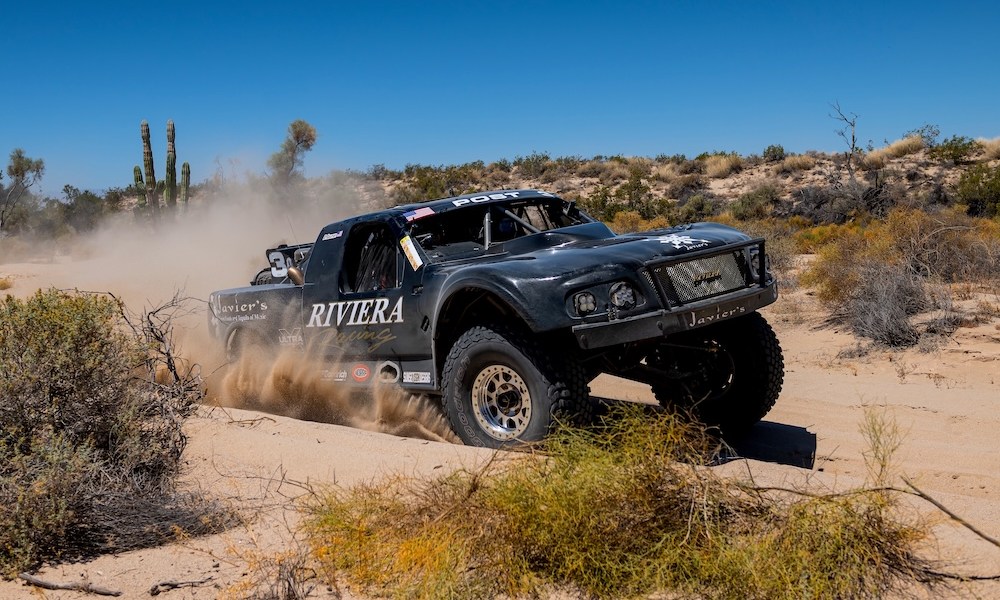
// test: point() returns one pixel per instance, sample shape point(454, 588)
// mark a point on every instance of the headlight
point(622, 295)
point(584, 303)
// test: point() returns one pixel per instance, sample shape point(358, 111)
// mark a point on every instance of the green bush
point(979, 189)
point(757, 203)
point(955, 149)
point(89, 443)
point(774, 153)
point(624, 510)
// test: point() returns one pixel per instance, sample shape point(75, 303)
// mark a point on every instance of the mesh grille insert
point(701, 278)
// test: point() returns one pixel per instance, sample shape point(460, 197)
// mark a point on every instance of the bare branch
point(82, 586)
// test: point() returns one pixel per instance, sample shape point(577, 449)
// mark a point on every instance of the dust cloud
point(218, 241)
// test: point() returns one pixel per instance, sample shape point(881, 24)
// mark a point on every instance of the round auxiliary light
point(622, 295)
point(585, 303)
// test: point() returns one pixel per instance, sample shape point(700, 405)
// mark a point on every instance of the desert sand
point(945, 401)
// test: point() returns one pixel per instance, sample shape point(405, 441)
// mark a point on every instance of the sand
point(945, 402)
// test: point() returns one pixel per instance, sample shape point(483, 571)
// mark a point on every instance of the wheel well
point(466, 308)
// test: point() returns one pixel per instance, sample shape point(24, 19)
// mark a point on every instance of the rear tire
point(727, 375)
point(501, 390)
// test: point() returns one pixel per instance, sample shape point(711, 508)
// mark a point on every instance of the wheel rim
point(502, 402)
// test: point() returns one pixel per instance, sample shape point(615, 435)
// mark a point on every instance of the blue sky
point(451, 82)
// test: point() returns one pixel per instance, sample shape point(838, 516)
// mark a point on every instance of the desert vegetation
point(91, 430)
point(626, 509)
point(900, 243)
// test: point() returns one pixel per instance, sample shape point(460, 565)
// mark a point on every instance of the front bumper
point(661, 323)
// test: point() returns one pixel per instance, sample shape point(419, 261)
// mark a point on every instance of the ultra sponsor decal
point(332, 236)
point(683, 242)
point(697, 318)
point(411, 253)
point(416, 377)
point(290, 337)
point(361, 373)
point(356, 312)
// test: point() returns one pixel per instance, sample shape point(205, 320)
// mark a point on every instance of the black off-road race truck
point(507, 304)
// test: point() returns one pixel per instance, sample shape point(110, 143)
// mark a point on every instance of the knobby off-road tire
point(502, 390)
point(733, 372)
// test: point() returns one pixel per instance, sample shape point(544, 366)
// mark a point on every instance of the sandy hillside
point(945, 401)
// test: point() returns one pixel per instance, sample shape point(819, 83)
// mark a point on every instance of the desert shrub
point(533, 165)
point(979, 189)
point(627, 221)
point(6, 283)
point(624, 510)
point(927, 133)
point(795, 163)
point(695, 208)
point(810, 240)
point(722, 165)
point(635, 195)
point(879, 309)
point(685, 186)
point(601, 204)
point(665, 172)
point(89, 443)
point(756, 203)
point(874, 277)
point(955, 149)
point(774, 153)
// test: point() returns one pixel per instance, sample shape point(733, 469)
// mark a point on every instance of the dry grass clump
point(6, 283)
point(625, 510)
point(722, 165)
point(795, 163)
point(876, 159)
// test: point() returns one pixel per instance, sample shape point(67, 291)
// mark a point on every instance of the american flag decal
point(419, 213)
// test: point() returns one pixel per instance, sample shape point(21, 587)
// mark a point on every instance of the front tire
point(727, 375)
point(500, 390)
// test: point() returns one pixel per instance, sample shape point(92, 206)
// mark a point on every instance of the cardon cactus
point(167, 186)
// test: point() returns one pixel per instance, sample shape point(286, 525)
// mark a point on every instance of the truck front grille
point(700, 278)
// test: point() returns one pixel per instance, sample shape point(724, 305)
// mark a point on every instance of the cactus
point(168, 186)
point(140, 186)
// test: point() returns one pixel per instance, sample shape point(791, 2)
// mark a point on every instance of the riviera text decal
point(356, 312)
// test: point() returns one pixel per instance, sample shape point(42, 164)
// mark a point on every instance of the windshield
point(475, 229)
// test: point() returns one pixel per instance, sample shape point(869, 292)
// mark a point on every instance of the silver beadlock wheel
point(502, 401)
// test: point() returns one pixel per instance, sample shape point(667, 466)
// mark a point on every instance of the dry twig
point(82, 586)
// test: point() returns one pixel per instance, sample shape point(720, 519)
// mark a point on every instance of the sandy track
point(945, 402)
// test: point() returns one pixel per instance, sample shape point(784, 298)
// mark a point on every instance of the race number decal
point(279, 267)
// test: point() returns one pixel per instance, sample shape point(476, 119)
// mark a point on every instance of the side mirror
point(295, 274)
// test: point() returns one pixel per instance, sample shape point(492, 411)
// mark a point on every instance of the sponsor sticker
point(416, 377)
point(332, 236)
point(388, 372)
point(290, 337)
point(361, 373)
point(411, 253)
point(711, 315)
point(683, 242)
